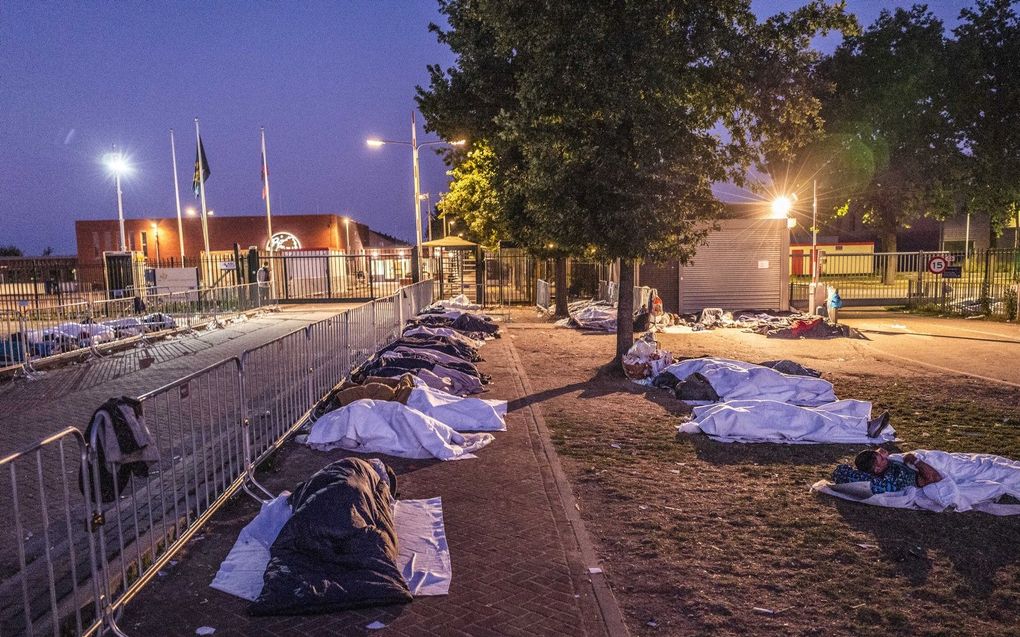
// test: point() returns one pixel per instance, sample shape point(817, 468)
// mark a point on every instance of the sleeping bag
point(339, 548)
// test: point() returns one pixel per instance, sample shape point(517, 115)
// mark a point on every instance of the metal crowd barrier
point(76, 560)
point(29, 336)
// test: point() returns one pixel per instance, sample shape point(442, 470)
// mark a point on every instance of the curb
point(609, 608)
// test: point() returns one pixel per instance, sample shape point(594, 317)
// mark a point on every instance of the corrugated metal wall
point(745, 265)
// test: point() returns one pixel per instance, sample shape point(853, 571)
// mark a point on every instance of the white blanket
point(460, 414)
point(372, 426)
point(970, 482)
point(459, 302)
point(423, 559)
point(737, 380)
point(841, 422)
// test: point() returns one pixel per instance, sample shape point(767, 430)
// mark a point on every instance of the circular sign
point(937, 265)
point(283, 241)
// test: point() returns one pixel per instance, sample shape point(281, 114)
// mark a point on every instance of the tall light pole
point(347, 235)
point(814, 233)
point(415, 147)
point(428, 212)
point(118, 165)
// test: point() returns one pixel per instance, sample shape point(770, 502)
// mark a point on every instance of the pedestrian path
point(519, 561)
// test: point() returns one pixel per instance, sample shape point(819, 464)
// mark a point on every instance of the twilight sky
point(77, 78)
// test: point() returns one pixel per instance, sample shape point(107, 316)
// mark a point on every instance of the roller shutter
point(743, 266)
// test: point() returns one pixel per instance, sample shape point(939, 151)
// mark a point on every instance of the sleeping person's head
point(873, 462)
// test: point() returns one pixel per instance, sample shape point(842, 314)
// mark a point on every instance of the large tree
point(891, 146)
point(609, 121)
point(985, 103)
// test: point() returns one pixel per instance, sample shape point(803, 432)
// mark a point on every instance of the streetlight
point(191, 212)
point(428, 211)
point(117, 164)
point(782, 205)
point(347, 235)
point(415, 147)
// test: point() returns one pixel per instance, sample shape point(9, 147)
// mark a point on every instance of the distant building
point(158, 238)
point(745, 264)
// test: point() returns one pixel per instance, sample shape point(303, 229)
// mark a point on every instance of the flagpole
point(201, 188)
point(177, 195)
point(265, 177)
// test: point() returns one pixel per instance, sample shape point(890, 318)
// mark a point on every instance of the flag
point(264, 172)
point(202, 177)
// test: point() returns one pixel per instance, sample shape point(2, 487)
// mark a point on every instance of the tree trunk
point(889, 245)
point(625, 312)
point(561, 286)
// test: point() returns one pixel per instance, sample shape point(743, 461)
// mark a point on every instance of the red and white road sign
point(937, 264)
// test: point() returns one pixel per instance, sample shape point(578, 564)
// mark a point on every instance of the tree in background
point(10, 251)
point(604, 119)
point(985, 104)
point(890, 142)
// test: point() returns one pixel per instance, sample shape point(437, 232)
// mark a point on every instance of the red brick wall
point(314, 232)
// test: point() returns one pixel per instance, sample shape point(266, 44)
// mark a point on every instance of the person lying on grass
point(884, 474)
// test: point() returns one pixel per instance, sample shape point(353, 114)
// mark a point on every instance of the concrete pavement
point(983, 349)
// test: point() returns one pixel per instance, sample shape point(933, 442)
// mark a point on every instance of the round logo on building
point(283, 241)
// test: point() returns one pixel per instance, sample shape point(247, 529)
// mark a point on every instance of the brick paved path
point(518, 559)
point(67, 396)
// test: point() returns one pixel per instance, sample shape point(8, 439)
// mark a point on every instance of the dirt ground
point(701, 537)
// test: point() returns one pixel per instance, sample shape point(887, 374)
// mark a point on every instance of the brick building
point(157, 238)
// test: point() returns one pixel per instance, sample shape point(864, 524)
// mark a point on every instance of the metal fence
point(33, 334)
point(978, 282)
point(71, 561)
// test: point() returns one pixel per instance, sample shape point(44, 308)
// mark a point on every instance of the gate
point(986, 283)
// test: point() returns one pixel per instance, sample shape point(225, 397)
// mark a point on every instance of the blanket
point(460, 414)
point(370, 426)
point(738, 380)
point(841, 422)
point(970, 482)
point(423, 557)
point(338, 550)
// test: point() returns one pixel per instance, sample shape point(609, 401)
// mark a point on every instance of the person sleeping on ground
point(711, 379)
point(459, 413)
point(930, 480)
point(885, 475)
point(844, 421)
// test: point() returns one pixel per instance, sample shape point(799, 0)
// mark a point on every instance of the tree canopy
point(609, 121)
point(985, 89)
point(889, 134)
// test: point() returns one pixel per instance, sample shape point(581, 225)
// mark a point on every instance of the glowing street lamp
point(117, 164)
point(415, 147)
point(781, 206)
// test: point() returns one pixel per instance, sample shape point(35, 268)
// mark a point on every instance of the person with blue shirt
point(886, 475)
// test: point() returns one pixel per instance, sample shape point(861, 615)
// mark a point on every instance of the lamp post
point(428, 212)
point(118, 165)
point(415, 147)
point(814, 234)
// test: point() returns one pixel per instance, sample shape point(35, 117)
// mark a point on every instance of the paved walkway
point(67, 396)
point(520, 561)
point(984, 349)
